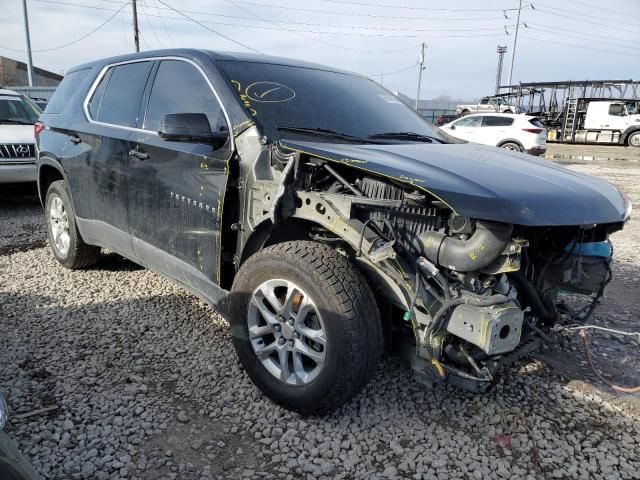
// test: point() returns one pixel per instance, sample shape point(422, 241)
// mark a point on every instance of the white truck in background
point(494, 104)
point(598, 121)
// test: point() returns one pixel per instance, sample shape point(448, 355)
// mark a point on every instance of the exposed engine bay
point(463, 297)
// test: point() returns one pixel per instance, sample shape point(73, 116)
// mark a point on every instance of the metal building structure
point(550, 99)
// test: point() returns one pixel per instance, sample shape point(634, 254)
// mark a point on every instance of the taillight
point(533, 130)
point(37, 128)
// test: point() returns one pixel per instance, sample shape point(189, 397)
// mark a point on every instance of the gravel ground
point(146, 385)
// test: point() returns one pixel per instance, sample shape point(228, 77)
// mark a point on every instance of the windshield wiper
point(324, 132)
point(407, 136)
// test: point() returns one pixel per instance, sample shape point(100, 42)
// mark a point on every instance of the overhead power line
point(77, 40)
point(394, 72)
point(210, 29)
point(360, 14)
point(582, 47)
point(600, 24)
point(428, 9)
point(586, 15)
point(581, 37)
point(599, 8)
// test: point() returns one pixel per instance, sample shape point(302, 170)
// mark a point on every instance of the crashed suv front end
point(468, 288)
point(466, 247)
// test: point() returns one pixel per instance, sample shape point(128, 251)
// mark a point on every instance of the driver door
point(176, 189)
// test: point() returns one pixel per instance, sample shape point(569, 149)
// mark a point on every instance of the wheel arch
point(627, 133)
point(49, 171)
point(510, 140)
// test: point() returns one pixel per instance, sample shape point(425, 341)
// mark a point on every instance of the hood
point(16, 134)
point(483, 182)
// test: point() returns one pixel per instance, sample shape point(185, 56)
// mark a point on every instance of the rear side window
point(536, 123)
point(116, 99)
point(497, 121)
point(67, 88)
point(179, 87)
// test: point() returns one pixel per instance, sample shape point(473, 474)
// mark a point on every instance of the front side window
point(497, 121)
point(469, 122)
point(286, 96)
point(617, 109)
point(17, 111)
point(117, 97)
point(179, 87)
point(484, 101)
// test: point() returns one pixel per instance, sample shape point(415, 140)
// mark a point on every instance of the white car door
point(465, 128)
point(495, 129)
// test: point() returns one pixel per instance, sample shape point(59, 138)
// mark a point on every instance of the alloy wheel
point(59, 224)
point(287, 332)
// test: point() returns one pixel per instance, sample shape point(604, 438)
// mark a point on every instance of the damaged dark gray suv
point(321, 215)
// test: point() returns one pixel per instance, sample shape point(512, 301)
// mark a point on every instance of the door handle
point(75, 139)
point(138, 154)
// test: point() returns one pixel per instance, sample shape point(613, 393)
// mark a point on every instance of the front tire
point(305, 325)
point(64, 238)
point(633, 140)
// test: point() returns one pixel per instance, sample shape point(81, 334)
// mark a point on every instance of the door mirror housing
point(452, 127)
point(190, 127)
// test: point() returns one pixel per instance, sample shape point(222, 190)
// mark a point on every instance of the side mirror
point(190, 127)
point(452, 127)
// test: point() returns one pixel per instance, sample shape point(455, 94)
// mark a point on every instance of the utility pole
point(515, 40)
point(420, 68)
point(28, 40)
point(136, 32)
point(501, 51)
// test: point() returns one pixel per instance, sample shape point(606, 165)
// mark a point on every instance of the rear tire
point(344, 339)
point(633, 140)
point(514, 147)
point(464, 113)
point(64, 238)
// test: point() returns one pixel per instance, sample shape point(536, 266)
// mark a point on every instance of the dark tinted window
point(484, 101)
point(121, 99)
point(497, 121)
point(285, 95)
point(67, 88)
point(179, 87)
point(616, 109)
point(536, 123)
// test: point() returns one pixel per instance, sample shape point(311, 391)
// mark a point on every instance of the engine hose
point(485, 245)
point(545, 310)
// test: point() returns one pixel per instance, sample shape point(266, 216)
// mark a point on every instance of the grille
point(17, 151)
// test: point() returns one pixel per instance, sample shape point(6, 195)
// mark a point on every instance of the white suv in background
point(519, 132)
point(18, 115)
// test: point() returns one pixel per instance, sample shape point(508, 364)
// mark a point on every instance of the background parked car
point(17, 141)
point(444, 119)
point(521, 133)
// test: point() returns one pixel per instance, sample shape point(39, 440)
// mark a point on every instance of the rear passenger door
point(176, 192)
point(98, 153)
point(496, 128)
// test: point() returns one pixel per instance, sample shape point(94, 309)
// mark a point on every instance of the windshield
point(15, 110)
point(282, 98)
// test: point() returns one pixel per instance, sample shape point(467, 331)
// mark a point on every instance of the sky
point(558, 39)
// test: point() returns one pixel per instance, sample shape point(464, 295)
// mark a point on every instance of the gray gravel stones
point(148, 387)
